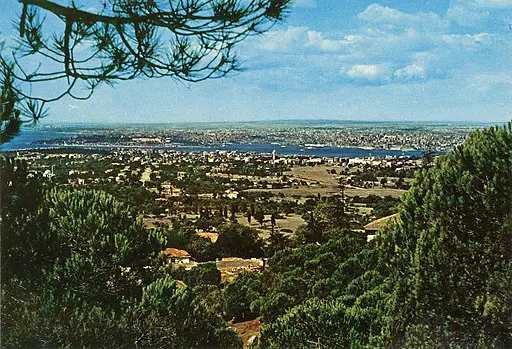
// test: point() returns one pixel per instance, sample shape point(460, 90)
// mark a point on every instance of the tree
point(342, 184)
point(327, 216)
point(249, 217)
point(12, 112)
point(295, 275)
point(10, 119)
point(452, 246)
point(259, 216)
point(252, 209)
point(439, 277)
point(167, 315)
point(21, 201)
point(385, 206)
point(277, 241)
point(85, 282)
point(239, 294)
point(190, 40)
point(236, 240)
point(199, 248)
point(428, 156)
point(399, 183)
point(299, 328)
point(203, 274)
point(87, 236)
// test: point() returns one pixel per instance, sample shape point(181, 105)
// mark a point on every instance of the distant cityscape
point(390, 136)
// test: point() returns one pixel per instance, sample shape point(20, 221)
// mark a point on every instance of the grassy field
point(364, 192)
point(318, 174)
point(310, 191)
point(291, 222)
point(321, 181)
point(326, 184)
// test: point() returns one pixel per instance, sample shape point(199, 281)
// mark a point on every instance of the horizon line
point(270, 121)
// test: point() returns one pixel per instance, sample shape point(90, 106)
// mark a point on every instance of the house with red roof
point(176, 256)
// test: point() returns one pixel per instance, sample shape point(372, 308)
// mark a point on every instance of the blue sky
point(337, 59)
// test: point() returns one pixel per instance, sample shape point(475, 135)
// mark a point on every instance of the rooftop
point(174, 252)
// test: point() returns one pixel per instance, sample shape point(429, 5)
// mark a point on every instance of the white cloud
point(466, 17)
point(483, 83)
point(378, 14)
point(391, 46)
point(481, 4)
point(370, 56)
point(299, 39)
point(474, 12)
point(492, 79)
point(376, 54)
point(411, 72)
point(468, 40)
point(316, 40)
point(373, 72)
point(283, 40)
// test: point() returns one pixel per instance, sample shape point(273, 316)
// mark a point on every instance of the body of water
point(35, 139)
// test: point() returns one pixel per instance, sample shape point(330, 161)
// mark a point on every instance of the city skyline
point(370, 61)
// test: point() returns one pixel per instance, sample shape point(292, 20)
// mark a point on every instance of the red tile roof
point(174, 252)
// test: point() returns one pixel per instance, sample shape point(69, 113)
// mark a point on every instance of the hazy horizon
point(106, 122)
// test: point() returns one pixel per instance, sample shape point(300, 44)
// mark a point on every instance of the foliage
point(326, 217)
point(385, 206)
point(10, 120)
point(77, 271)
point(452, 246)
point(236, 240)
point(21, 202)
point(202, 274)
point(314, 324)
point(439, 277)
point(295, 275)
point(238, 296)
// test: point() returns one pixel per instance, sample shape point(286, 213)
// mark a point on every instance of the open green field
point(291, 222)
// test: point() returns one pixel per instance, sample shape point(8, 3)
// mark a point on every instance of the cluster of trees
point(257, 168)
point(439, 277)
point(325, 217)
point(143, 198)
point(372, 176)
point(234, 240)
point(79, 269)
point(382, 206)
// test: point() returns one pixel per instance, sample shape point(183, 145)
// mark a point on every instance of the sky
point(335, 59)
